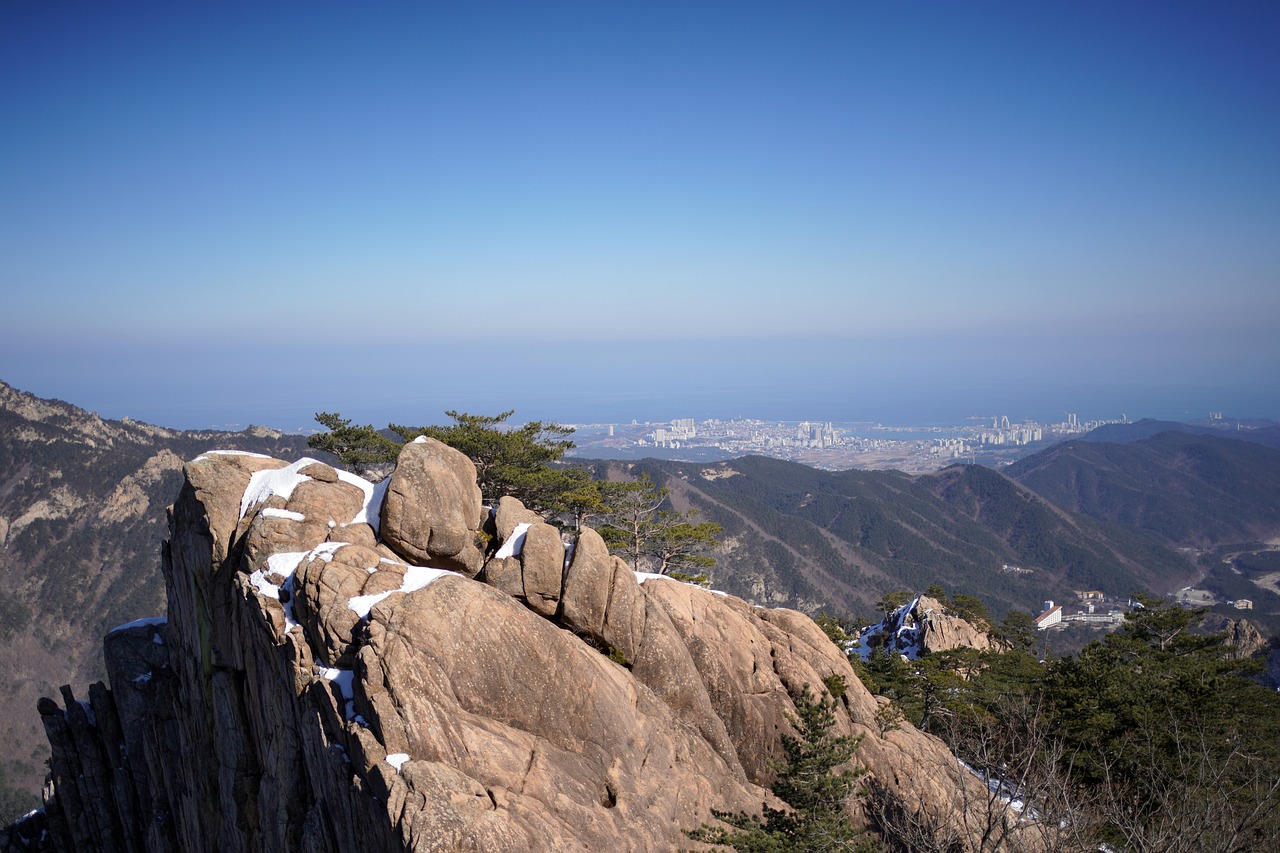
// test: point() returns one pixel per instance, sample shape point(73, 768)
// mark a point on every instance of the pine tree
point(808, 780)
point(641, 528)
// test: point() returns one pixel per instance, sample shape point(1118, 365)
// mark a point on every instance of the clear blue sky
point(234, 212)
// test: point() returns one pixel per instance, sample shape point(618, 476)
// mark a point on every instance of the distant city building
point(1052, 615)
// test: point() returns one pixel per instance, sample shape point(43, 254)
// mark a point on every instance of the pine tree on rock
point(808, 780)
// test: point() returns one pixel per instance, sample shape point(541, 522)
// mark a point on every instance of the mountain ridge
point(81, 519)
point(1190, 489)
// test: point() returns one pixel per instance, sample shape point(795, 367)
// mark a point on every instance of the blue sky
point(234, 212)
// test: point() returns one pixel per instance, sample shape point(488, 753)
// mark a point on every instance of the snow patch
point(344, 679)
point(370, 513)
point(209, 453)
point(272, 512)
point(641, 577)
point(156, 621)
point(285, 564)
point(142, 679)
point(415, 578)
point(397, 759)
point(900, 633)
point(515, 542)
point(325, 551)
point(272, 482)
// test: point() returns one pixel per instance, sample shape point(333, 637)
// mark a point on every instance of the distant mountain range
point(1267, 434)
point(81, 520)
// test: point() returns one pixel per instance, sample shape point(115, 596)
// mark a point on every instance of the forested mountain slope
point(840, 540)
point(1191, 490)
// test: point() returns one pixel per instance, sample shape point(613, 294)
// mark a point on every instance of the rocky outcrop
point(1245, 640)
point(923, 626)
point(351, 667)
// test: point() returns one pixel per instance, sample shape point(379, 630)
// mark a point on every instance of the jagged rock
point(1242, 636)
point(311, 693)
point(432, 508)
point(923, 626)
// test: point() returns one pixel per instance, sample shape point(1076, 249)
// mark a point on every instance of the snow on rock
point(272, 512)
point(273, 481)
point(899, 633)
point(285, 564)
point(344, 679)
point(371, 511)
point(416, 577)
point(209, 453)
point(156, 621)
point(397, 759)
point(515, 542)
point(325, 551)
point(921, 627)
point(641, 577)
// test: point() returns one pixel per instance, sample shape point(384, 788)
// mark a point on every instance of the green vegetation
point(1151, 739)
point(810, 780)
point(14, 801)
point(847, 538)
point(638, 525)
point(519, 461)
point(1191, 490)
point(634, 517)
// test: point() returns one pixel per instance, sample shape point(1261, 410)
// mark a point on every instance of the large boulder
point(432, 510)
point(529, 564)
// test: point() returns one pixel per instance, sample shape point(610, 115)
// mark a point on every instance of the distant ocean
point(292, 409)
point(200, 386)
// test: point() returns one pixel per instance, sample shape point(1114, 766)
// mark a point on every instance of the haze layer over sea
point(901, 381)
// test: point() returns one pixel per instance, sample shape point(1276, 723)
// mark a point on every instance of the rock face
point(342, 668)
point(923, 626)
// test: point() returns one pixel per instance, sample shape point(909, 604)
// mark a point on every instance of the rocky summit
point(396, 667)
